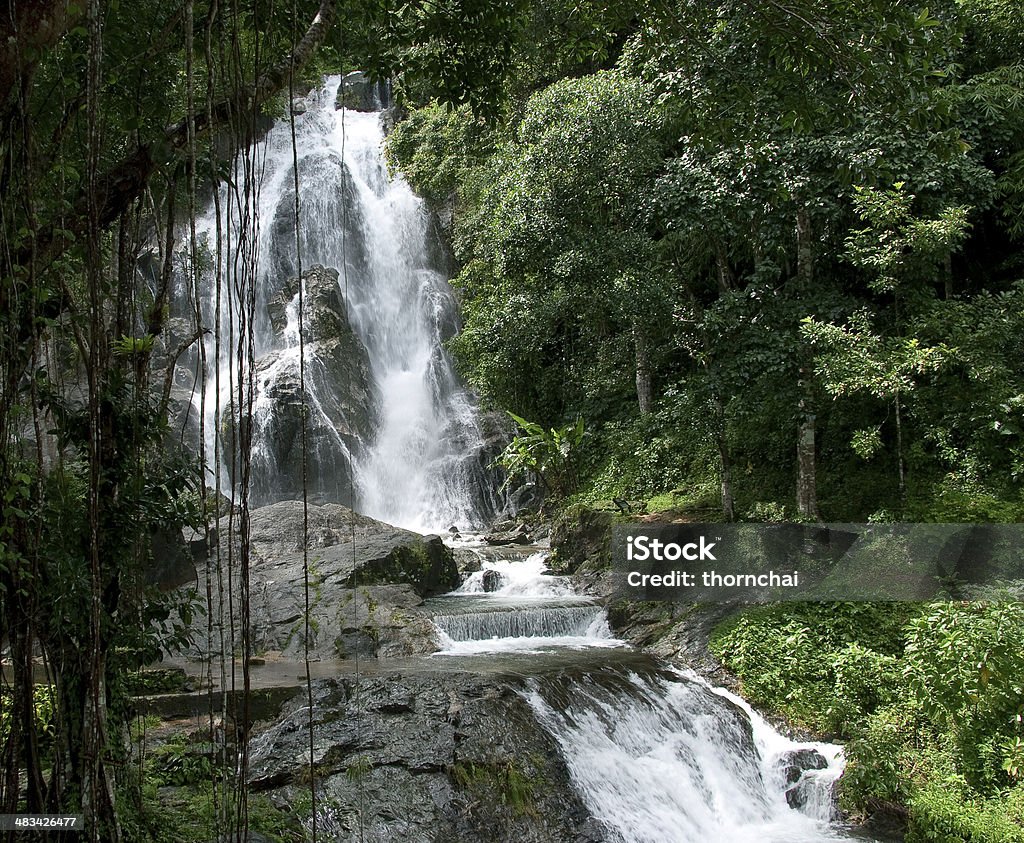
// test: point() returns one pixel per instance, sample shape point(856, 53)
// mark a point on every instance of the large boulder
point(423, 756)
point(358, 92)
point(367, 581)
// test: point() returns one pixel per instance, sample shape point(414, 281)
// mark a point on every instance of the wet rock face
point(519, 534)
point(423, 757)
point(342, 417)
point(581, 539)
point(794, 764)
point(493, 581)
point(358, 93)
point(367, 581)
point(802, 789)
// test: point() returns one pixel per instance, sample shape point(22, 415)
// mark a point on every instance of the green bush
point(930, 697)
point(940, 814)
point(823, 665)
point(887, 745)
point(965, 668)
point(180, 762)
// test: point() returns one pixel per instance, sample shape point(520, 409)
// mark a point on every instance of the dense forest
point(770, 256)
point(743, 260)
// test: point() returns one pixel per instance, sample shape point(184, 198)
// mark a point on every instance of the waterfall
point(657, 755)
point(521, 622)
point(660, 757)
point(390, 429)
point(513, 606)
point(516, 577)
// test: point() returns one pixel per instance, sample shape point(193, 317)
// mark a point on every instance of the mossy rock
point(581, 538)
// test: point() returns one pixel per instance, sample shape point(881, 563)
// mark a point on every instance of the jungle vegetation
point(770, 255)
point(764, 255)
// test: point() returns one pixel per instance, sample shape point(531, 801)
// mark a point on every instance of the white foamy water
point(668, 760)
point(657, 756)
point(527, 610)
point(414, 459)
point(519, 578)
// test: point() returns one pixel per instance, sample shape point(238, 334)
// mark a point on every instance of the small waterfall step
point(517, 621)
point(514, 605)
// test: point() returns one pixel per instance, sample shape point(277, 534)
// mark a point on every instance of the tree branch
point(28, 28)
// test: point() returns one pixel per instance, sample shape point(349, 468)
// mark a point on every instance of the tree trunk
point(644, 391)
point(806, 481)
point(900, 464)
point(807, 471)
point(28, 28)
point(804, 247)
point(725, 460)
point(724, 272)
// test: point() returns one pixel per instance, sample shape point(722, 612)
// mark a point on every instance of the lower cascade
point(657, 755)
point(663, 757)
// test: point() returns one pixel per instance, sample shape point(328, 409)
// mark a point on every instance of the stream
point(657, 754)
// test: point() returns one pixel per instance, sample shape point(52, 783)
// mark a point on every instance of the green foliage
point(44, 714)
point(557, 266)
point(435, 147)
point(884, 756)
point(548, 453)
point(156, 681)
point(824, 665)
point(965, 668)
point(930, 698)
point(181, 762)
point(852, 358)
point(939, 812)
point(194, 814)
point(898, 247)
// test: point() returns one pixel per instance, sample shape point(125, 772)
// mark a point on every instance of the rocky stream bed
point(510, 710)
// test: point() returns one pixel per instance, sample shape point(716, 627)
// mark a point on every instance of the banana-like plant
point(547, 453)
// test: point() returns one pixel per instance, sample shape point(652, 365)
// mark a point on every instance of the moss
point(409, 563)
point(505, 781)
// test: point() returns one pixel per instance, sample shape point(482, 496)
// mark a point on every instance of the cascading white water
point(387, 417)
point(665, 759)
point(657, 756)
point(517, 578)
point(525, 610)
point(555, 622)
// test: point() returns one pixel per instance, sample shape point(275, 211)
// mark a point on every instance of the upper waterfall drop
point(391, 430)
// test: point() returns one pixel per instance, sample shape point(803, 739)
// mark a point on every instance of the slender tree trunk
point(806, 481)
point(644, 390)
point(804, 247)
point(721, 441)
point(725, 280)
point(901, 467)
point(806, 445)
point(725, 460)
